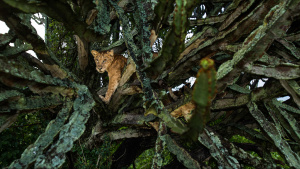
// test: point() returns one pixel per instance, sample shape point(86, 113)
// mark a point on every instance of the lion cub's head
point(103, 60)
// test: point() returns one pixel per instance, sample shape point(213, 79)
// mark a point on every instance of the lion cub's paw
point(104, 99)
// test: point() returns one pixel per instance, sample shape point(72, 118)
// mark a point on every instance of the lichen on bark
point(181, 154)
point(291, 157)
point(149, 96)
point(102, 24)
point(221, 154)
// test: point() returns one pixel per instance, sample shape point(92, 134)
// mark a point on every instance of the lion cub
point(113, 64)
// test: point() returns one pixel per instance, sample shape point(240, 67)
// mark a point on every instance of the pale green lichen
point(240, 89)
point(70, 132)
point(35, 102)
point(176, 125)
point(285, 106)
point(19, 70)
point(270, 60)
point(182, 155)
point(9, 93)
point(125, 133)
point(292, 126)
point(13, 51)
point(132, 119)
point(224, 69)
point(217, 150)
point(102, 21)
point(291, 157)
point(276, 118)
point(291, 47)
point(115, 44)
point(134, 51)
point(159, 147)
point(32, 152)
point(251, 41)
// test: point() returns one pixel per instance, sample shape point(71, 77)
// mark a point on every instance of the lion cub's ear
point(94, 53)
point(110, 53)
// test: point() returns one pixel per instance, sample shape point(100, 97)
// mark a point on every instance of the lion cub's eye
point(103, 61)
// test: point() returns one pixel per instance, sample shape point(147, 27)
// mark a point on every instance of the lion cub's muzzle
point(100, 70)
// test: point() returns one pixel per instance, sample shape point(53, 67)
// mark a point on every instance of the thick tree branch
point(283, 71)
point(7, 38)
point(12, 51)
point(25, 33)
point(292, 158)
point(129, 133)
point(34, 62)
point(61, 12)
point(152, 103)
point(261, 39)
point(159, 146)
point(217, 150)
point(209, 21)
point(182, 155)
point(131, 119)
point(233, 33)
point(293, 37)
point(32, 103)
